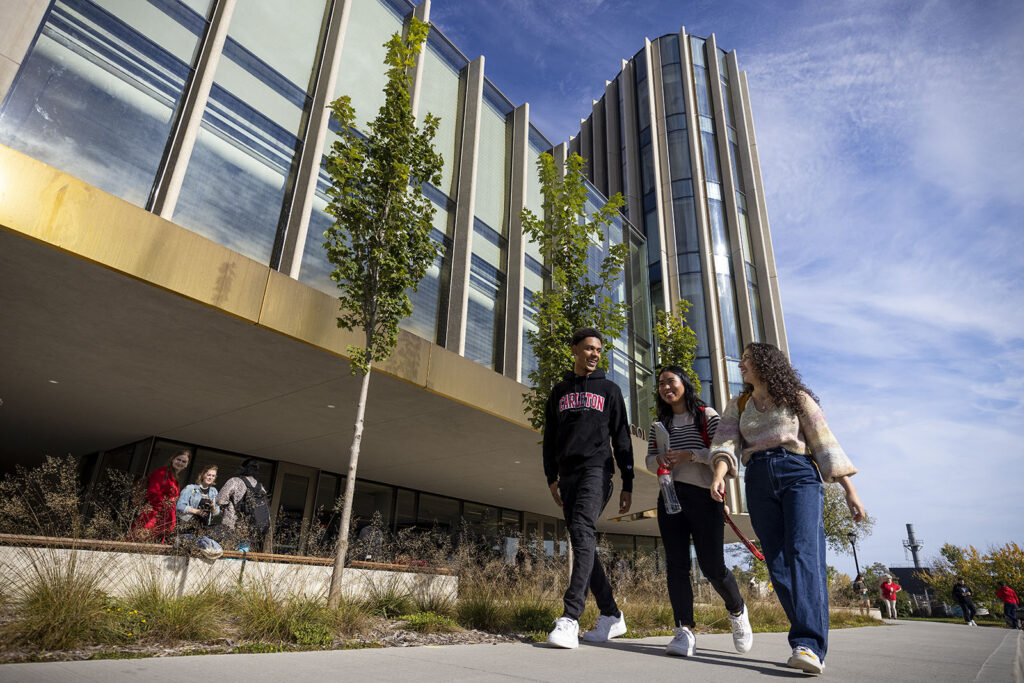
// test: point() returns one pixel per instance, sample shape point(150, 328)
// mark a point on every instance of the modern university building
point(162, 281)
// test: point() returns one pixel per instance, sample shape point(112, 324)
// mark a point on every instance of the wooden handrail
point(161, 549)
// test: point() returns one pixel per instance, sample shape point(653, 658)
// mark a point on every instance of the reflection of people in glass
point(776, 426)
point(585, 417)
point(691, 426)
point(157, 518)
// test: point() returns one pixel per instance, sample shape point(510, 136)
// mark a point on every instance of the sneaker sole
point(562, 646)
point(678, 653)
point(806, 665)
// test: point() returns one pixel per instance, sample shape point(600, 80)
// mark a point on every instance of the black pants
point(968, 608)
point(584, 495)
point(704, 520)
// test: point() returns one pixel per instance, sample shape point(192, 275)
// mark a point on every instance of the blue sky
point(893, 160)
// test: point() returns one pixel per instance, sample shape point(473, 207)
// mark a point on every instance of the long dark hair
point(691, 399)
point(779, 377)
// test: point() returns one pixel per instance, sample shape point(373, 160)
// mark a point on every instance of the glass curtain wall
point(741, 200)
point(99, 90)
point(721, 253)
point(485, 323)
point(648, 195)
point(361, 76)
point(536, 276)
point(235, 186)
point(691, 287)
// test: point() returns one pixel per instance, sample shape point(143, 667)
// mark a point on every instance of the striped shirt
point(685, 435)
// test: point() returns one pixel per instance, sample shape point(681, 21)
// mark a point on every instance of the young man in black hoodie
point(585, 419)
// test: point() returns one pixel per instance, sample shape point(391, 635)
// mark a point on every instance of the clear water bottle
point(668, 491)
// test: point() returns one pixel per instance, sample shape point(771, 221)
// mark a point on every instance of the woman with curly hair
point(776, 428)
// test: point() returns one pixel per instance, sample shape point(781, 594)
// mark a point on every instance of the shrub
point(58, 603)
point(429, 622)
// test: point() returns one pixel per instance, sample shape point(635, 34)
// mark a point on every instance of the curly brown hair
point(779, 377)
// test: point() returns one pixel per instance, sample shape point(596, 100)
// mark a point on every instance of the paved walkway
point(903, 651)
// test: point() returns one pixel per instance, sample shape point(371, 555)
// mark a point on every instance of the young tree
point(577, 296)
point(380, 242)
point(677, 342)
point(838, 523)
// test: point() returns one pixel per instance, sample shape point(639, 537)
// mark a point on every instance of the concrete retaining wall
point(118, 574)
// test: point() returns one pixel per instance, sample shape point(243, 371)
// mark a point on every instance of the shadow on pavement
point(707, 656)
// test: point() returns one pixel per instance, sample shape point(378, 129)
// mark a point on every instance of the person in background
point(691, 426)
point(889, 590)
point(860, 590)
point(197, 503)
point(237, 523)
point(157, 520)
point(778, 430)
point(962, 594)
point(1009, 598)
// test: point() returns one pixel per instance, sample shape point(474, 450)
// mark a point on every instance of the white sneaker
point(565, 634)
point(683, 644)
point(971, 623)
point(742, 634)
point(606, 628)
point(805, 660)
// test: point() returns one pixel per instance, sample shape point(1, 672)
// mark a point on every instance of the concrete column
point(316, 134)
point(598, 151)
point(516, 243)
point(586, 148)
point(422, 12)
point(560, 154)
point(760, 232)
point(21, 22)
point(612, 142)
point(659, 195)
point(197, 91)
point(462, 247)
point(739, 271)
point(700, 202)
point(629, 128)
point(663, 181)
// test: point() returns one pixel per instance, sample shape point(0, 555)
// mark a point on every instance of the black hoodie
point(582, 414)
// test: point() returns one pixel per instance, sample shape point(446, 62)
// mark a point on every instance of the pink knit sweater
point(779, 426)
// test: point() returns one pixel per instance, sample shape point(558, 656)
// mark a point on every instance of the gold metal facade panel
point(57, 209)
point(463, 380)
point(309, 315)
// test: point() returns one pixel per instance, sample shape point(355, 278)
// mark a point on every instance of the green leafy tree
point(677, 342)
point(380, 242)
point(577, 297)
point(838, 523)
point(981, 572)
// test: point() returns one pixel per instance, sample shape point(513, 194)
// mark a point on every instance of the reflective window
point(672, 78)
point(441, 95)
point(485, 323)
point(97, 94)
point(362, 74)
point(370, 499)
point(234, 188)
point(439, 512)
point(493, 171)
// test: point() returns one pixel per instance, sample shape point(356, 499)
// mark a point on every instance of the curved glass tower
point(673, 133)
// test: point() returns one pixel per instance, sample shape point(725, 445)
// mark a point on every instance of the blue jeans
point(785, 498)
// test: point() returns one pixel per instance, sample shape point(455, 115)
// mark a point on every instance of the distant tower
point(913, 545)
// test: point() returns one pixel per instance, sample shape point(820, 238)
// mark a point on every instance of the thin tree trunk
point(334, 593)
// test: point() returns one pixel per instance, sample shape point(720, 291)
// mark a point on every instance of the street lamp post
point(853, 544)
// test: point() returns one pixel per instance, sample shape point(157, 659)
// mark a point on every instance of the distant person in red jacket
point(1009, 598)
point(889, 590)
point(156, 521)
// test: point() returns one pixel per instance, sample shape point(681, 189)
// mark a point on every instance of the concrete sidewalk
point(901, 651)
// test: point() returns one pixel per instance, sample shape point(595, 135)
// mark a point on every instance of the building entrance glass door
point(291, 507)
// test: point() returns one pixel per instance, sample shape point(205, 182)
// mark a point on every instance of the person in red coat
point(1009, 598)
point(156, 521)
